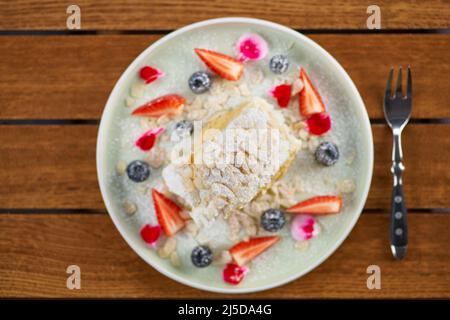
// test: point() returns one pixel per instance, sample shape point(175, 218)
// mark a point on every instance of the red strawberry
point(168, 213)
point(223, 65)
point(321, 205)
point(310, 101)
point(169, 104)
point(246, 251)
point(283, 94)
point(234, 274)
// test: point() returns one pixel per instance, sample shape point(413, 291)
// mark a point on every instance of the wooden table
point(54, 84)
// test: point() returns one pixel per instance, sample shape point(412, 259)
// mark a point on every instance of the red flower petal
point(319, 123)
point(149, 74)
point(148, 139)
point(234, 274)
point(150, 234)
point(283, 94)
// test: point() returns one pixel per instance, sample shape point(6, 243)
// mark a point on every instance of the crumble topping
point(239, 154)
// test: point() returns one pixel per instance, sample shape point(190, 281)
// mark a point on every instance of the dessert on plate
point(216, 158)
point(239, 154)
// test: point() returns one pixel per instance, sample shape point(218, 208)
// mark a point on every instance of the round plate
point(351, 131)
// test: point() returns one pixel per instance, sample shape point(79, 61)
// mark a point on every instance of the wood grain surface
point(35, 266)
point(163, 15)
point(65, 77)
point(54, 167)
point(51, 211)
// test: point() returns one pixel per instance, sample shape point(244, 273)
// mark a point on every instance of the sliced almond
point(137, 90)
point(304, 135)
point(222, 258)
point(297, 86)
point(175, 259)
point(301, 245)
point(346, 186)
point(192, 228)
point(167, 248)
point(129, 102)
point(121, 167)
point(201, 238)
point(257, 76)
point(129, 207)
point(156, 157)
point(244, 90)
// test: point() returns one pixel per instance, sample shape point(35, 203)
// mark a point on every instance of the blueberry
point(200, 82)
point(273, 220)
point(327, 153)
point(279, 64)
point(201, 256)
point(138, 171)
point(184, 128)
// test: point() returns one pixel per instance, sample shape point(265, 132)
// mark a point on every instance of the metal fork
point(397, 111)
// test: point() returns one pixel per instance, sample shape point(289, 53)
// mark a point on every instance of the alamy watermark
point(231, 146)
point(374, 280)
point(74, 280)
point(73, 21)
point(374, 20)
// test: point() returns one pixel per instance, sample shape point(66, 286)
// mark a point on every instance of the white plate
point(351, 130)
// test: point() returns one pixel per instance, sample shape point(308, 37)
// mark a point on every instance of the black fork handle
point(399, 214)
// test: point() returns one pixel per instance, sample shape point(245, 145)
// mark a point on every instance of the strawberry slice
point(167, 213)
point(283, 94)
point(321, 205)
point(169, 104)
point(246, 251)
point(223, 65)
point(310, 101)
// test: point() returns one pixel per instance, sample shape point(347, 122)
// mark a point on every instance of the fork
point(397, 111)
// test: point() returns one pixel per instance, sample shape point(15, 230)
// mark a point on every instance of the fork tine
point(387, 93)
point(409, 84)
point(398, 90)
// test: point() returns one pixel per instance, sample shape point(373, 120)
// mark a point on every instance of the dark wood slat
point(54, 167)
point(153, 14)
point(37, 249)
point(70, 77)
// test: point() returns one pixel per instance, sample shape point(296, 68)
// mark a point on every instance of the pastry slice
point(237, 155)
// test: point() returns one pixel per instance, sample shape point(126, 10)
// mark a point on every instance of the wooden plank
point(49, 166)
point(61, 77)
point(54, 167)
point(36, 250)
point(141, 14)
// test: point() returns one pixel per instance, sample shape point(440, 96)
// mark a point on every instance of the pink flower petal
point(148, 139)
point(304, 227)
point(252, 47)
point(150, 234)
